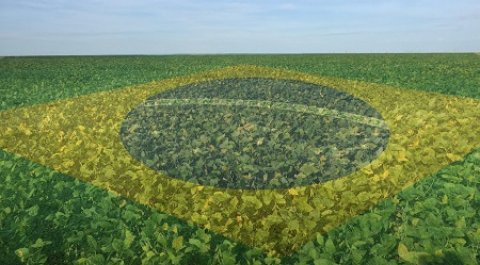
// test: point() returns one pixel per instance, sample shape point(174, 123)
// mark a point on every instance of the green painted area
point(436, 221)
point(46, 217)
point(49, 218)
point(29, 80)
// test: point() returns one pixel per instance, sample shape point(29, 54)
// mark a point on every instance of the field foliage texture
point(52, 212)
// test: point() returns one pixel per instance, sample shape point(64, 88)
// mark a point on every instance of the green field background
point(46, 217)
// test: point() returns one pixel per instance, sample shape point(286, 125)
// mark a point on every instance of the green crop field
point(240, 159)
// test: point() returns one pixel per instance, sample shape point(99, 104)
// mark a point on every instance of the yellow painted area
point(80, 137)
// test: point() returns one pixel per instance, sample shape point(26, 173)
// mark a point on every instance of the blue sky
point(41, 27)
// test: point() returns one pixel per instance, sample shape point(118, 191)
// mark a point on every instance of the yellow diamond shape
point(80, 137)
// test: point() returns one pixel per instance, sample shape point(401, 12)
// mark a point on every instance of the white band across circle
point(371, 121)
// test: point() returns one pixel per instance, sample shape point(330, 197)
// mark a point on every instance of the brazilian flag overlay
point(272, 159)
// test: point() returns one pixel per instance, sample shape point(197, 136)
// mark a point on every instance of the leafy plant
point(50, 218)
point(254, 133)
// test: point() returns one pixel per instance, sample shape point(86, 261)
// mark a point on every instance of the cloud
point(234, 25)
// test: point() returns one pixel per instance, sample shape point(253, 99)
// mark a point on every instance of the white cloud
point(161, 26)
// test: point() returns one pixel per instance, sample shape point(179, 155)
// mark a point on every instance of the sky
point(61, 27)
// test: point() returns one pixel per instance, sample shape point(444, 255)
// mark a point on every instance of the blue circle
point(254, 133)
